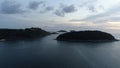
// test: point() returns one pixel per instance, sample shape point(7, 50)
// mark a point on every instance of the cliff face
point(85, 36)
point(17, 34)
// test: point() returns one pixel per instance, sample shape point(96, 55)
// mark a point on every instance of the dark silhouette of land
point(22, 34)
point(86, 36)
point(32, 33)
point(62, 31)
point(54, 33)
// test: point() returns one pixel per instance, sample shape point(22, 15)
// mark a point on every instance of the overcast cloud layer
point(8, 7)
point(13, 7)
point(52, 12)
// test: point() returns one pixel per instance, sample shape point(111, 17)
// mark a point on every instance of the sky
point(61, 14)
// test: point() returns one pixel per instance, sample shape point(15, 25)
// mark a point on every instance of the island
point(86, 36)
point(62, 31)
point(22, 34)
point(54, 33)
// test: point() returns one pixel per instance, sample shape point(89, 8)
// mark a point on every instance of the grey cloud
point(92, 8)
point(35, 4)
point(43, 6)
point(61, 11)
point(8, 7)
point(69, 9)
point(49, 8)
point(46, 9)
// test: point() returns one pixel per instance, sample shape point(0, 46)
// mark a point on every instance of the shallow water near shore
point(49, 53)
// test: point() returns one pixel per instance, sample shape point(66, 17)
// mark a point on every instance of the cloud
point(65, 9)
point(91, 5)
point(49, 8)
point(92, 8)
point(86, 3)
point(99, 18)
point(112, 15)
point(59, 13)
point(35, 5)
point(8, 7)
point(46, 9)
point(69, 9)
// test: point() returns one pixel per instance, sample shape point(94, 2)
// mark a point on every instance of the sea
point(47, 52)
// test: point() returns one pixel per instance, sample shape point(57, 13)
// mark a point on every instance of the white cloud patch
point(112, 15)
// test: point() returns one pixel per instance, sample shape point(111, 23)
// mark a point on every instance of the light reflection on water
point(49, 53)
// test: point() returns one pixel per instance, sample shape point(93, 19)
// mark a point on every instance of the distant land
point(62, 31)
point(86, 36)
point(22, 34)
point(33, 33)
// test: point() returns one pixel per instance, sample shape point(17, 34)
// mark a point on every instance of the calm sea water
point(49, 53)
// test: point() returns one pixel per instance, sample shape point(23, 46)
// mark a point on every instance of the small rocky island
point(22, 34)
point(62, 31)
point(86, 36)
